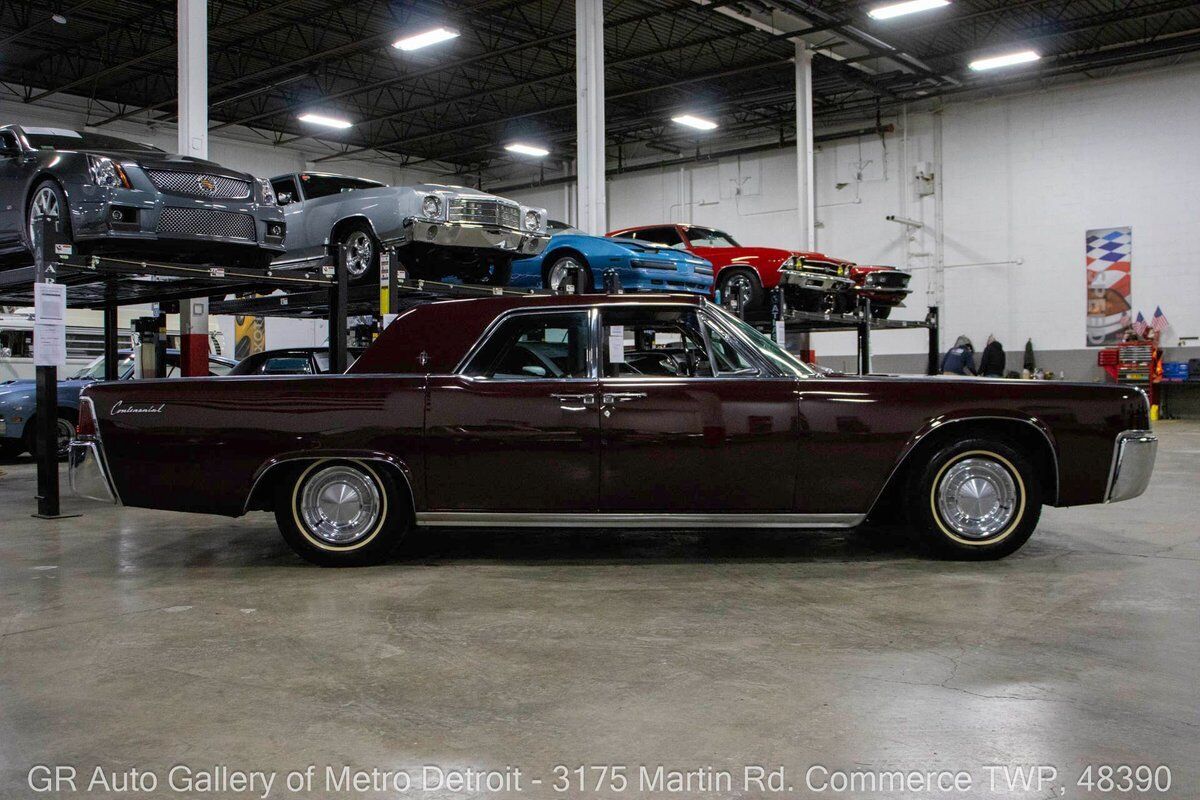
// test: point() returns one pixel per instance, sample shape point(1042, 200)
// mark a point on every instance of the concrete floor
point(136, 639)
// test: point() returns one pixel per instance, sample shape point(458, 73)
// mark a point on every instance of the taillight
point(87, 418)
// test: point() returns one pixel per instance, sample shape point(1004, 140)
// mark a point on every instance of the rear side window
point(287, 365)
point(549, 346)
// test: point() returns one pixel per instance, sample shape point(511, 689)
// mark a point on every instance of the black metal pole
point(110, 331)
point(337, 315)
point(934, 350)
point(46, 401)
point(864, 338)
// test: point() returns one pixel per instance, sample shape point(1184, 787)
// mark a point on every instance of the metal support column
point(589, 116)
point(192, 37)
point(864, 338)
point(934, 366)
point(806, 194)
point(45, 238)
point(111, 308)
point(337, 314)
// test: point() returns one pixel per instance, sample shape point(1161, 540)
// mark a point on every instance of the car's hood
point(464, 192)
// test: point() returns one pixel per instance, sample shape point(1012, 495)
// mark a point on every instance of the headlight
point(106, 172)
point(431, 206)
point(533, 220)
point(268, 191)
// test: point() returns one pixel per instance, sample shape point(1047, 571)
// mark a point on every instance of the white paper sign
point(50, 325)
point(780, 333)
point(616, 344)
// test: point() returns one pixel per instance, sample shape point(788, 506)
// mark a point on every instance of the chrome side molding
point(567, 519)
point(1132, 465)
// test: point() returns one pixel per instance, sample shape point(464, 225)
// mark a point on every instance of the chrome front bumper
point(813, 281)
point(88, 476)
point(463, 234)
point(1132, 464)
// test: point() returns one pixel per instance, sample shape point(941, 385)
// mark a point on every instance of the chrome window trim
point(635, 520)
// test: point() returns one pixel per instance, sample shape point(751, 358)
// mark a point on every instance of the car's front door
point(517, 429)
point(12, 185)
point(690, 422)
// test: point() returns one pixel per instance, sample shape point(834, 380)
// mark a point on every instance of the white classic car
point(442, 232)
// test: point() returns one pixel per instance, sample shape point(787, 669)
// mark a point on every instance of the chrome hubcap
point(563, 276)
point(977, 497)
point(45, 205)
point(359, 250)
point(340, 505)
point(737, 293)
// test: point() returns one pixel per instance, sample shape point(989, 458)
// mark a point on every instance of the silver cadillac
point(449, 233)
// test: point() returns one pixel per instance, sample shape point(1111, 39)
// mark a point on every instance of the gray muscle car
point(443, 232)
point(123, 198)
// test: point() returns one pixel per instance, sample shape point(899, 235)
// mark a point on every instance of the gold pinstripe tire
point(975, 500)
point(340, 512)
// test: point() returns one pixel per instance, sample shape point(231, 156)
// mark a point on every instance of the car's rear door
point(517, 429)
point(690, 423)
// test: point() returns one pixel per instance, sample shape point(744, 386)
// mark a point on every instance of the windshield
point(554, 226)
point(710, 237)
point(95, 370)
point(325, 185)
point(785, 361)
point(64, 139)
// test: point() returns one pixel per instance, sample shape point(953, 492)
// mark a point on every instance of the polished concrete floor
point(136, 639)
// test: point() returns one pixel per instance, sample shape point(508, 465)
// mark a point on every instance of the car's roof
point(435, 336)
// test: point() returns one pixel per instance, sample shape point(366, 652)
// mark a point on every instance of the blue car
point(574, 261)
point(17, 401)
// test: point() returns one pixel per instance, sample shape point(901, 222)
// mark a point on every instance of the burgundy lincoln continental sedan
point(604, 411)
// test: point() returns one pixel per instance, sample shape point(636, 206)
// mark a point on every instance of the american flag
point(1140, 326)
point(1159, 320)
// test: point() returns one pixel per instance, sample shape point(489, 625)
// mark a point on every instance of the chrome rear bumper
point(1132, 465)
point(87, 473)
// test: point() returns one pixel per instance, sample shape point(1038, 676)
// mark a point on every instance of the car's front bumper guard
point(465, 234)
point(87, 473)
point(814, 281)
point(1132, 465)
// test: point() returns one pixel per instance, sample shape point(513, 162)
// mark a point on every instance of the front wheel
point(64, 432)
point(341, 513)
point(975, 500)
point(47, 202)
point(568, 275)
point(741, 291)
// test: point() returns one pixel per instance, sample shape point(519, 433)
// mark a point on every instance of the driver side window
point(654, 343)
point(8, 144)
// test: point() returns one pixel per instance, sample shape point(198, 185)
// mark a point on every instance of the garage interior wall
point(1025, 176)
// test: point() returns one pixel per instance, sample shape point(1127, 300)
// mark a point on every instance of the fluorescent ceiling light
point(419, 40)
point(527, 149)
point(909, 7)
point(328, 122)
point(1008, 60)
point(699, 123)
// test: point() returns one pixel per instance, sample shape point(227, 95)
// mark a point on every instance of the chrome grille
point(485, 212)
point(888, 279)
point(207, 222)
point(195, 184)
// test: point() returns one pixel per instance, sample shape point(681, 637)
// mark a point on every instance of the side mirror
point(284, 198)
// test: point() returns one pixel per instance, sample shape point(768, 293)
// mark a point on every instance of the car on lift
point(573, 261)
point(601, 411)
point(746, 274)
point(447, 233)
point(885, 287)
point(18, 400)
point(125, 199)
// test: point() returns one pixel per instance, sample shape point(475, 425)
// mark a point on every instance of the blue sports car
point(17, 400)
point(574, 261)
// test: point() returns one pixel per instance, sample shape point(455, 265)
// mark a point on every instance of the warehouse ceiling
point(510, 74)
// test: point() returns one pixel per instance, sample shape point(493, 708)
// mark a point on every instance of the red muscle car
point(885, 287)
point(745, 274)
point(607, 411)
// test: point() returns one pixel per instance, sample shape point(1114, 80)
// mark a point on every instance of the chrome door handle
point(623, 397)
point(585, 399)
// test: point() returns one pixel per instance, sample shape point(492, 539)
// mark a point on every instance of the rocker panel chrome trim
point(487, 519)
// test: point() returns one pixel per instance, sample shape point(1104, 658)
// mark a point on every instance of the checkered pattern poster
point(1109, 306)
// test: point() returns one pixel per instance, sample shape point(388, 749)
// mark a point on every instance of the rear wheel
point(362, 253)
point(341, 513)
point(974, 500)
